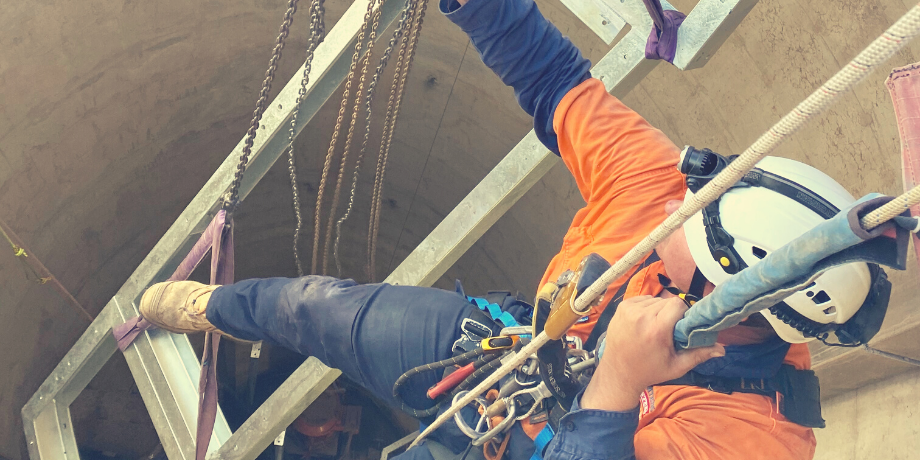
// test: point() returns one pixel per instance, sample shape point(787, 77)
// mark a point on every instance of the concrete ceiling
point(114, 113)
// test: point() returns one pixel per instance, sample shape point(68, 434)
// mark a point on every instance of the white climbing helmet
point(788, 198)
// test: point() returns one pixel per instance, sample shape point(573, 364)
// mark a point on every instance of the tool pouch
point(801, 396)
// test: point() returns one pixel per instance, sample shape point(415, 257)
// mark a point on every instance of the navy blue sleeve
point(587, 434)
point(526, 51)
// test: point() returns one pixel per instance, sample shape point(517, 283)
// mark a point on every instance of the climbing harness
point(800, 401)
point(475, 364)
point(893, 39)
point(527, 392)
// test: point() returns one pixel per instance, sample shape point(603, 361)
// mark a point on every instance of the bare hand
point(640, 352)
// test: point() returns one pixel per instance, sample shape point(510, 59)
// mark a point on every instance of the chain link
point(407, 52)
point(317, 35)
point(401, 29)
point(348, 141)
point(332, 143)
point(232, 200)
point(412, 17)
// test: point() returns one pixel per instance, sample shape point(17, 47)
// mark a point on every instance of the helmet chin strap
point(697, 284)
point(694, 294)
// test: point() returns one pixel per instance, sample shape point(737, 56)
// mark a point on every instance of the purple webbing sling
point(662, 42)
point(218, 240)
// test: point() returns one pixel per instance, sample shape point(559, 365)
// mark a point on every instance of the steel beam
point(273, 417)
point(46, 416)
point(165, 365)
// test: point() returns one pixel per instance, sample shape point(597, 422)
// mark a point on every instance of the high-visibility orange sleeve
point(625, 170)
point(696, 423)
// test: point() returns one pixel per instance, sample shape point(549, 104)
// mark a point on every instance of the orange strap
point(492, 452)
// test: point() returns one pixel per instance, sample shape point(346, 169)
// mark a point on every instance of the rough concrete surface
point(113, 113)
point(877, 421)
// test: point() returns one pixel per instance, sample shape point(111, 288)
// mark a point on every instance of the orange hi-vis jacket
point(626, 170)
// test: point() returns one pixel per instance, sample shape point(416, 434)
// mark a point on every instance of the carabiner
point(479, 438)
point(473, 433)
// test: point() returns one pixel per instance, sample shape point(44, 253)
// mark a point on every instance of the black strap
point(697, 285)
point(694, 294)
point(604, 319)
point(801, 402)
point(725, 385)
point(792, 190)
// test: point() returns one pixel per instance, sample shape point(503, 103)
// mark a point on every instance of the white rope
point(876, 53)
point(893, 208)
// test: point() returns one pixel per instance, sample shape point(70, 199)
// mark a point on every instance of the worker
point(639, 402)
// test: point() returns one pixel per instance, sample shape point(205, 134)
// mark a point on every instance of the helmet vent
point(820, 298)
point(759, 253)
point(830, 311)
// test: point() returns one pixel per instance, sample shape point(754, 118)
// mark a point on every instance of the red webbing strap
point(217, 239)
point(904, 86)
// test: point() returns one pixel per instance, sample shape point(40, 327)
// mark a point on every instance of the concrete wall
point(878, 421)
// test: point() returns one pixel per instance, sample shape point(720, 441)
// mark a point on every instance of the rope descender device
point(563, 312)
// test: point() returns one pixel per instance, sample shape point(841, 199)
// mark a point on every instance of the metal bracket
point(388, 450)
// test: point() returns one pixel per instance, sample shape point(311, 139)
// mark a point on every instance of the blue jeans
point(373, 333)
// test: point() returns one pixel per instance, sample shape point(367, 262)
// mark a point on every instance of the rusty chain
point(406, 19)
point(348, 140)
point(232, 198)
point(407, 51)
point(408, 31)
point(332, 143)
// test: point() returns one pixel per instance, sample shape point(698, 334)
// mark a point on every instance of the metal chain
point(405, 19)
point(335, 134)
point(317, 35)
point(348, 141)
point(370, 268)
point(391, 104)
point(231, 202)
point(407, 50)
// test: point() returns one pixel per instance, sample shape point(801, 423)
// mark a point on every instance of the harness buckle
point(755, 384)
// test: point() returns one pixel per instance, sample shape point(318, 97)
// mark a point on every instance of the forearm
point(526, 51)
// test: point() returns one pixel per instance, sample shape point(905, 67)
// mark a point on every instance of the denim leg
point(373, 333)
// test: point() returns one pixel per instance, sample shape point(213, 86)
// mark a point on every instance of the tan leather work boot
point(178, 306)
